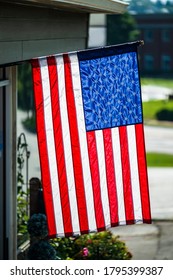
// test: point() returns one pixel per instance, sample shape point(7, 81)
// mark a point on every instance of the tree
point(25, 93)
point(121, 29)
point(25, 96)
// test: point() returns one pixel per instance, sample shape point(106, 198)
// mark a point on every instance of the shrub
point(165, 115)
point(29, 124)
point(100, 246)
point(96, 246)
point(64, 247)
point(41, 250)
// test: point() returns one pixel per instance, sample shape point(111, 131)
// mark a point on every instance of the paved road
point(161, 192)
point(159, 139)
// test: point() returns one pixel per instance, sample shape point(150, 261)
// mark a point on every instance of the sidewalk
point(155, 241)
point(148, 242)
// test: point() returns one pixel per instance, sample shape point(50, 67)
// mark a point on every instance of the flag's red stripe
point(75, 146)
point(142, 169)
point(128, 200)
point(110, 175)
point(41, 133)
point(59, 147)
point(95, 177)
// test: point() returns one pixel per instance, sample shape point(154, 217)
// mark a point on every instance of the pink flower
point(85, 252)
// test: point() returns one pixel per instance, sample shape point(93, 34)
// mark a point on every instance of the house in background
point(156, 30)
point(32, 28)
point(155, 24)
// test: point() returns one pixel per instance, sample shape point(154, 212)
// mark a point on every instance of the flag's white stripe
point(67, 144)
point(83, 141)
point(103, 180)
point(51, 145)
point(134, 172)
point(118, 175)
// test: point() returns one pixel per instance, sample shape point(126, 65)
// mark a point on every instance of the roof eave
point(94, 6)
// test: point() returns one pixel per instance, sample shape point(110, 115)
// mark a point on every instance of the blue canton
point(111, 91)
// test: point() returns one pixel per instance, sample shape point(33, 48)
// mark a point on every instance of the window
point(166, 62)
point(166, 36)
point(148, 62)
point(148, 35)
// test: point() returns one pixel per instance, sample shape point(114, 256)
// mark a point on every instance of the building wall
point(156, 55)
point(97, 30)
point(8, 162)
point(27, 32)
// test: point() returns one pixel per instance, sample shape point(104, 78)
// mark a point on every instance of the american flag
point(91, 139)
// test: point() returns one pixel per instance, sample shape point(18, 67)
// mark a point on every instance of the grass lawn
point(150, 108)
point(157, 82)
point(159, 160)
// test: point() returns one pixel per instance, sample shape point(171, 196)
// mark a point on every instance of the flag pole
point(141, 42)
